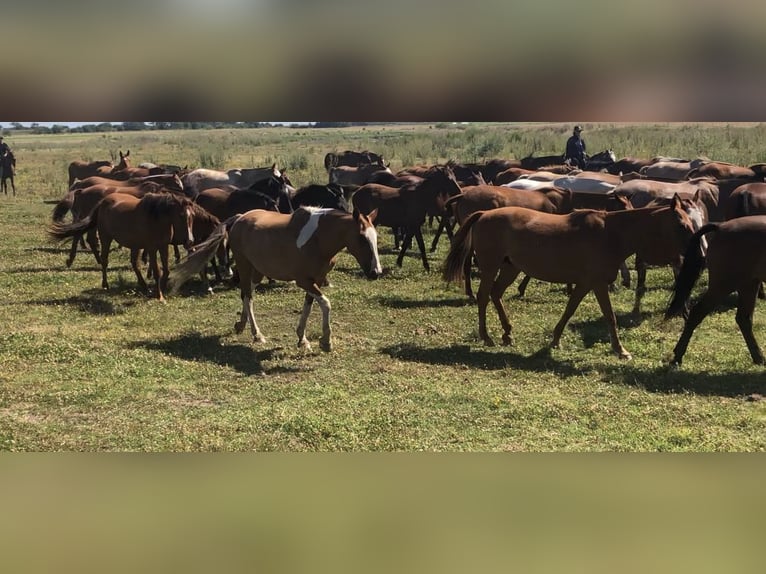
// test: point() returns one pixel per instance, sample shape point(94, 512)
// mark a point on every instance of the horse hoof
point(239, 327)
point(625, 356)
point(304, 344)
point(326, 346)
point(489, 343)
point(507, 341)
point(69, 263)
point(259, 339)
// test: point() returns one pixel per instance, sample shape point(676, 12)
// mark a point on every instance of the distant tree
point(133, 126)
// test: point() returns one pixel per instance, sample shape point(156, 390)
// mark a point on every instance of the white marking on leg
point(254, 330)
point(372, 237)
point(311, 225)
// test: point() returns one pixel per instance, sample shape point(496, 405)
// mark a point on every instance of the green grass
point(83, 369)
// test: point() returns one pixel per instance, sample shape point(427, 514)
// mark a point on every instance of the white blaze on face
point(695, 214)
point(372, 237)
point(311, 225)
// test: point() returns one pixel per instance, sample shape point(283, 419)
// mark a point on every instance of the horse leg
point(162, 283)
point(697, 313)
point(640, 284)
point(508, 274)
point(467, 278)
point(482, 300)
point(406, 242)
point(73, 250)
point(625, 273)
point(325, 342)
point(134, 253)
point(422, 247)
point(106, 242)
point(745, 307)
point(92, 238)
point(246, 276)
point(580, 290)
point(442, 227)
point(302, 340)
point(523, 286)
point(176, 253)
point(602, 295)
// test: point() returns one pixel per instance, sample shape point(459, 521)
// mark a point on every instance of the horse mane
point(157, 205)
point(203, 214)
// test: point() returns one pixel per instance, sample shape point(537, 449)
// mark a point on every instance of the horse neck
point(628, 230)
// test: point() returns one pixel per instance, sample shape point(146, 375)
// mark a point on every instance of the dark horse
point(585, 247)
point(8, 170)
point(736, 261)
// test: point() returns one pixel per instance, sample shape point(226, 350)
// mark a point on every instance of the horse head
point(364, 245)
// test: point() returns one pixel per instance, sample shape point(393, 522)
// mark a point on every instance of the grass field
point(84, 369)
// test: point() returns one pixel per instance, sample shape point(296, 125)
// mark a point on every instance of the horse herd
point(536, 216)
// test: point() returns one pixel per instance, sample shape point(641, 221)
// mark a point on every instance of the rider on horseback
point(575, 153)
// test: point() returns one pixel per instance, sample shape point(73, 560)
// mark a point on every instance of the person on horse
point(575, 153)
point(4, 151)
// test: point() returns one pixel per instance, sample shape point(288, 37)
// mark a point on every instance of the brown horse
point(8, 171)
point(485, 197)
point(171, 181)
point(149, 223)
point(736, 261)
point(82, 169)
point(81, 203)
point(407, 207)
point(585, 247)
point(301, 246)
point(656, 252)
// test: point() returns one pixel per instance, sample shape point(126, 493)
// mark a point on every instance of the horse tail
point(462, 246)
point(451, 204)
point(58, 231)
point(195, 262)
point(694, 262)
point(63, 207)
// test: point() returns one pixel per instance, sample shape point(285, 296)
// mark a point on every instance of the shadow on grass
point(91, 304)
point(594, 330)
point(541, 361)
point(671, 380)
point(209, 348)
point(400, 303)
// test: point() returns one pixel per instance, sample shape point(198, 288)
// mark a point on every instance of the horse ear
point(696, 196)
point(676, 203)
point(121, 155)
point(373, 214)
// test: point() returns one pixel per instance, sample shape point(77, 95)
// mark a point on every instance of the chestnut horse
point(736, 261)
point(301, 246)
point(484, 197)
point(585, 247)
point(82, 169)
point(150, 223)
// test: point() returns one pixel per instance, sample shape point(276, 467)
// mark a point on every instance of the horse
point(82, 201)
point(270, 194)
point(8, 171)
point(736, 261)
point(585, 247)
point(198, 180)
point(123, 170)
point(301, 246)
point(170, 181)
point(407, 207)
point(149, 223)
point(82, 169)
point(317, 195)
point(352, 159)
point(660, 253)
point(485, 197)
point(601, 160)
